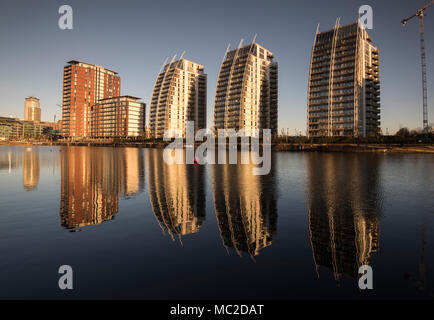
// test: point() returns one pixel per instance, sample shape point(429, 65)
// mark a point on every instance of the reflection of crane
point(421, 13)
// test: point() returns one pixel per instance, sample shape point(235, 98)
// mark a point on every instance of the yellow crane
point(420, 13)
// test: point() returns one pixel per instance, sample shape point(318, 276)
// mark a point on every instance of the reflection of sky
point(133, 38)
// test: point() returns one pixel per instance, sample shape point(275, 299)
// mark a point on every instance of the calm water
point(133, 227)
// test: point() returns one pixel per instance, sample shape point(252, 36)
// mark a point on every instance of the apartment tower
point(83, 85)
point(32, 109)
point(246, 93)
point(344, 84)
point(179, 96)
point(122, 116)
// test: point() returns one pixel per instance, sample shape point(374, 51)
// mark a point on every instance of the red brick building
point(83, 85)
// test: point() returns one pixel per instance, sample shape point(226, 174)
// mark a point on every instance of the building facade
point(122, 116)
point(16, 129)
point(83, 85)
point(179, 96)
point(32, 109)
point(344, 84)
point(246, 92)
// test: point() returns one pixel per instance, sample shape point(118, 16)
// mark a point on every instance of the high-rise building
point(83, 85)
point(246, 93)
point(32, 109)
point(344, 84)
point(122, 116)
point(179, 96)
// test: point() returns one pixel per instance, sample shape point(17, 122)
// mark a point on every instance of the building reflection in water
point(344, 204)
point(92, 179)
point(30, 162)
point(9, 161)
point(177, 194)
point(28, 159)
point(245, 207)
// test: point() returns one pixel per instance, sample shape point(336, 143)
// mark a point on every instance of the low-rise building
point(122, 116)
point(13, 128)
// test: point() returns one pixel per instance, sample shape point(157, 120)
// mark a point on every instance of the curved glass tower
point(246, 92)
point(179, 96)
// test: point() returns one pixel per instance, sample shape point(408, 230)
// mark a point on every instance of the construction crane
point(420, 13)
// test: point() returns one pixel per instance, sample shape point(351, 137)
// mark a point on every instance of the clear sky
point(134, 38)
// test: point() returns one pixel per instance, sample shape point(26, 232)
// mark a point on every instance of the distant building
point(32, 109)
point(6, 127)
point(118, 117)
point(344, 84)
point(58, 126)
point(13, 129)
point(83, 85)
point(246, 93)
point(179, 95)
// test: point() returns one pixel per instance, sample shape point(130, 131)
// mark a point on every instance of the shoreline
point(290, 147)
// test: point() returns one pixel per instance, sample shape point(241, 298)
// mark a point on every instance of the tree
point(404, 132)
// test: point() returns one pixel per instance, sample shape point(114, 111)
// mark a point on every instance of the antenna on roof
point(226, 52)
point(183, 52)
point(254, 38)
point(240, 44)
point(164, 63)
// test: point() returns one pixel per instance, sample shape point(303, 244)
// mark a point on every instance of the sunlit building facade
point(83, 85)
point(344, 84)
point(246, 93)
point(122, 116)
point(32, 109)
point(179, 96)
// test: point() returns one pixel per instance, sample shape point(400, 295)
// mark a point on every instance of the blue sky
point(134, 38)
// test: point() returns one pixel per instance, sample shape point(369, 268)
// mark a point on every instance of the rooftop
point(32, 97)
point(119, 97)
point(89, 64)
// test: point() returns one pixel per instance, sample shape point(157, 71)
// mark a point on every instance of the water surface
point(132, 226)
